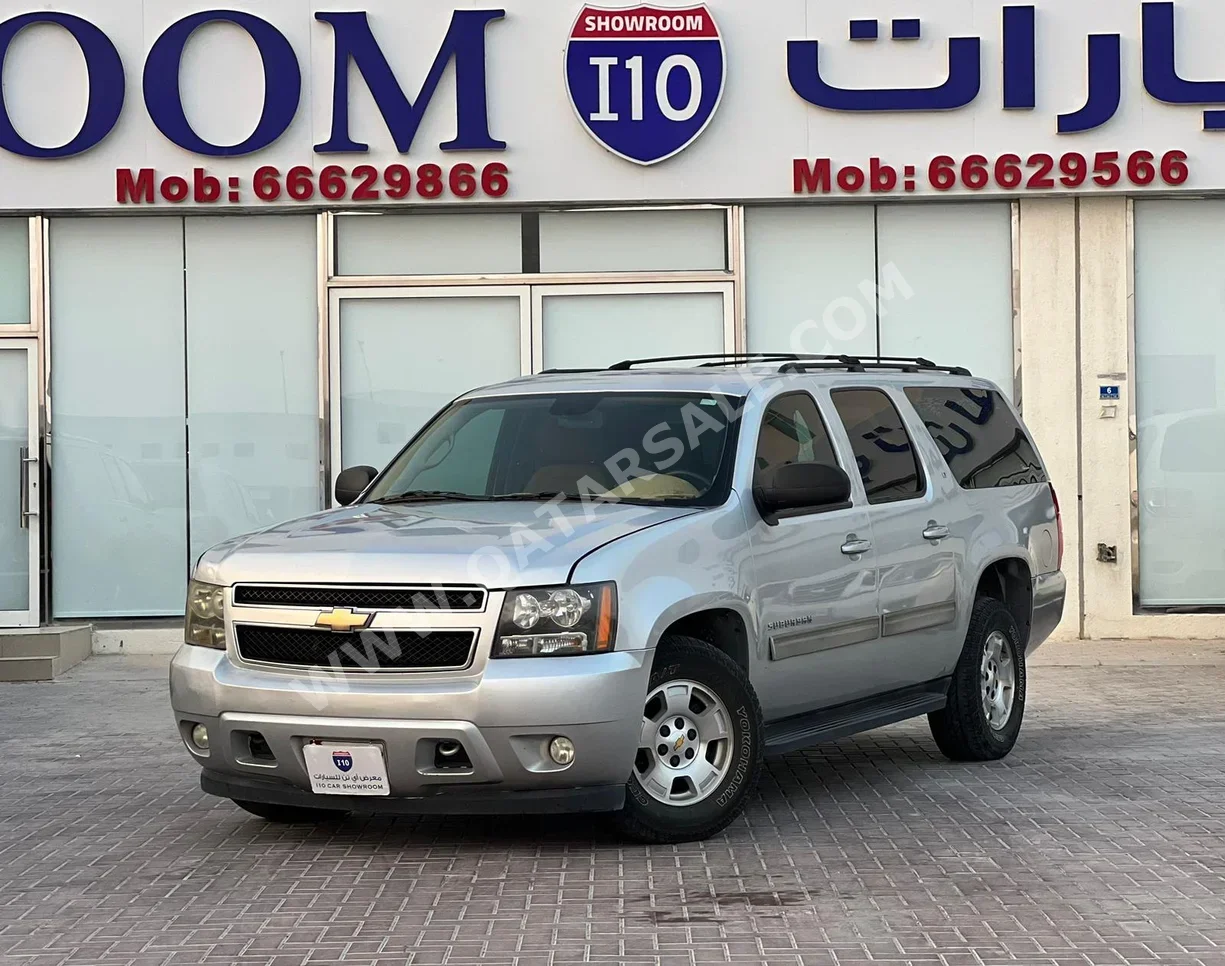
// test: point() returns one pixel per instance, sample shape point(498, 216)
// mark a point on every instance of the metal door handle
point(23, 486)
point(935, 532)
point(853, 548)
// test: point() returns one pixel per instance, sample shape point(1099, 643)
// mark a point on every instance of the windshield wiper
point(441, 496)
point(429, 496)
point(534, 497)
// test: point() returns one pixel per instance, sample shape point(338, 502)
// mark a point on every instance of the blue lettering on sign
point(106, 85)
point(464, 42)
point(282, 84)
point(962, 86)
point(645, 81)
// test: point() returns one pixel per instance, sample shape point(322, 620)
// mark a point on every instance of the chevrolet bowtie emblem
point(343, 621)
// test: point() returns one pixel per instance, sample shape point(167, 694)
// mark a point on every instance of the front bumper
point(504, 713)
point(442, 801)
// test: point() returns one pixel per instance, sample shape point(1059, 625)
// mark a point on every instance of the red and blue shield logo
point(342, 760)
point(645, 81)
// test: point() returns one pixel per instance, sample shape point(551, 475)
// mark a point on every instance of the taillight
point(1058, 526)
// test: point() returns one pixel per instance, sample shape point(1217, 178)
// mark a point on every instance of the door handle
point(853, 547)
point(935, 531)
point(23, 486)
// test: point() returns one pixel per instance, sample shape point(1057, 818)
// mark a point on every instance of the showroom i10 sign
point(417, 103)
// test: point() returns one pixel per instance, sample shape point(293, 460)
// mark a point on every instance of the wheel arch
point(721, 623)
point(1010, 581)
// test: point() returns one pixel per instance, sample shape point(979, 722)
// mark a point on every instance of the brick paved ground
point(1101, 840)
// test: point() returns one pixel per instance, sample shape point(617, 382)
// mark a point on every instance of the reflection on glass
point(882, 447)
point(634, 241)
point(401, 360)
point(14, 434)
point(430, 244)
point(945, 275)
point(979, 437)
point(804, 268)
point(118, 443)
point(14, 271)
point(670, 448)
point(1180, 403)
point(593, 331)
point(252, 374)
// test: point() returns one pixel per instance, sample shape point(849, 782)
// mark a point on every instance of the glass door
point(594, 326)
point(399, 355)
point(19, 493)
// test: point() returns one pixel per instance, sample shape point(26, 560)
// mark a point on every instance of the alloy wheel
point(685, 750)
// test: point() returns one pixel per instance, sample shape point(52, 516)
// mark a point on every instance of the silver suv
point(618, 590)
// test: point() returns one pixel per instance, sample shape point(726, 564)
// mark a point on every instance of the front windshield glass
point(651, 448)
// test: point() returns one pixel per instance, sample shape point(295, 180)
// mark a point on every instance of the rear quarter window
point(980, 439)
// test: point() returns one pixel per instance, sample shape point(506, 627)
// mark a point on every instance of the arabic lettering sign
point(411, 101)
point(1018, 42)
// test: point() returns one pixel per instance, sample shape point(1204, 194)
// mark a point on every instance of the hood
point(494, 544)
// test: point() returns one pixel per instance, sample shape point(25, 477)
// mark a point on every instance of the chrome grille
point(402, 650)
point(324, 597)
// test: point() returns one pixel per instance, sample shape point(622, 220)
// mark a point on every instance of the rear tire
point(701, 748)
point(986, 703)
point(291, 814)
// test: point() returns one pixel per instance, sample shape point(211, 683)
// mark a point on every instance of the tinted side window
point(883, 450)
point(792, 431)
point(981, 440)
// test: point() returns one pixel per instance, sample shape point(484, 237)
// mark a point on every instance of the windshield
point(653, 448)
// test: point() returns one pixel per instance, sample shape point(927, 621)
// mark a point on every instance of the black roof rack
point(799, 362)
point(853, 364)
point(722, 359)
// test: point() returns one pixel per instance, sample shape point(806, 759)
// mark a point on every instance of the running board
point(844, 720)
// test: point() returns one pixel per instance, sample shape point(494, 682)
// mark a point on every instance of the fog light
point(561, 750)
point(199, 737)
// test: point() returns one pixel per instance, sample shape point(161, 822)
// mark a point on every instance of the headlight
point(557, 621)
point(205, 625)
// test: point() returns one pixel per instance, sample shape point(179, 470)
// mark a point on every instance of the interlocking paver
point(1100, 841)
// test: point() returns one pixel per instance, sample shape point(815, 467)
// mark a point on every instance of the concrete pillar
point(1106, 292)
point(1046, 323)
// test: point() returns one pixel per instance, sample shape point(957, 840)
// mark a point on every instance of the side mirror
point(801, 486)
point(353, 482)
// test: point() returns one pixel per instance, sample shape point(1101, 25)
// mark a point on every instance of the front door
point(816, 576)
point(19, 493)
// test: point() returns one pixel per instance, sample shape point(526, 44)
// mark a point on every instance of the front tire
point(701, 747)
point(986, 703)
point(290, 814)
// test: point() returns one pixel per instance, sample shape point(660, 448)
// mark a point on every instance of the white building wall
point(1046, 262)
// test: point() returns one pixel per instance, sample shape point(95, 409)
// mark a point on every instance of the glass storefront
point(899, 280)
point(184, 387)
point(203, 381)
point(1180, 402)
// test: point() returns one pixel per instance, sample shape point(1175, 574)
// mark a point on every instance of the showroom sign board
point(534, 101)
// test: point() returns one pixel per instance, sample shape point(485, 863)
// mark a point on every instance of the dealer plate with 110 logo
point(645, 81)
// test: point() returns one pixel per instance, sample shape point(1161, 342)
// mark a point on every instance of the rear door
point(917, 556)
point(816, 576)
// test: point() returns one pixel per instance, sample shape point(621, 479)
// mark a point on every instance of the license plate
point(351, 768)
